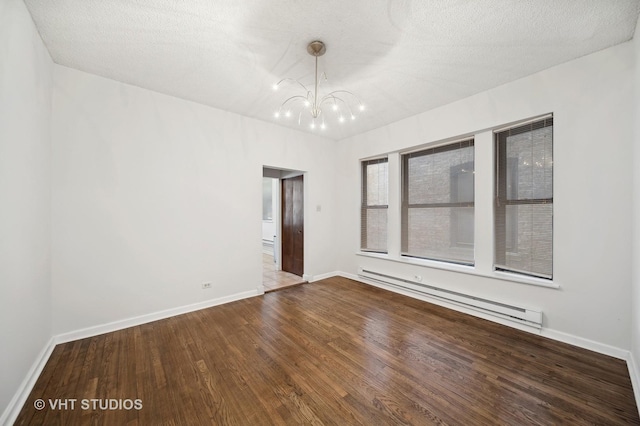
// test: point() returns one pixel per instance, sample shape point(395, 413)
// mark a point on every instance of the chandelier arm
point(346, 104)
point(349, 110)
point(331, 97)
point(343, 91)
point(292, 80)
point(323, 77)
point(292, 98)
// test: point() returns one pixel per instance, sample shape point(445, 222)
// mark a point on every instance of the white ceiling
point(401, 57)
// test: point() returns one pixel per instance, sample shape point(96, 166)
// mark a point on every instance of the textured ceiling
point(401, 57)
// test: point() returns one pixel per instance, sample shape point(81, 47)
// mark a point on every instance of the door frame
point(284, 173)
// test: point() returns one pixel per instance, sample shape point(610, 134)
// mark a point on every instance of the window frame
point(365, 207)
point(406, 206)
point(502, 180)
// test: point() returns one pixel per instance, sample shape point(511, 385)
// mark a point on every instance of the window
point(267, 199)
point(375, 178)
point(438, 203)
point(524, 199)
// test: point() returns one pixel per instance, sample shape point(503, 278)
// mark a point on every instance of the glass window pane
point(438, 197)
point(533, 239)
point(530, 159)
point(377, 181)
point(430, 177)
point(373, 227)
point(444, 233)
point(376, 229)
point(524, 205)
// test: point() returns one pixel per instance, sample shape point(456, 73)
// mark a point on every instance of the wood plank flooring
point(333, 352)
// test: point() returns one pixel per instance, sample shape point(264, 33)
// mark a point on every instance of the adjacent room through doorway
point(282, 228)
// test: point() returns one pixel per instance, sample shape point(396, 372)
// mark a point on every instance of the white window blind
point(375, 203)
point(524, 199)
point(438, 203)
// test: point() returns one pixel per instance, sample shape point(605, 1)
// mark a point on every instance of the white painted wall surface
point(25, 198)
point(635, 252)
point(154, 195)
point(591, 99)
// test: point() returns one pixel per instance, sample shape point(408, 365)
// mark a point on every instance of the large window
point(524, 199)
point(375, 178)
point(438, 203)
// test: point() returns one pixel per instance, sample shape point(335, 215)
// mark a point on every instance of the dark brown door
point(293, 225)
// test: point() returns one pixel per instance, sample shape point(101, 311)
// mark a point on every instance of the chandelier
point(315, 109)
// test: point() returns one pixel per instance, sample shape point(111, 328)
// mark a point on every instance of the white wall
point(635, 262)
point(25, 198)
point(154, 195)
point(591, 99)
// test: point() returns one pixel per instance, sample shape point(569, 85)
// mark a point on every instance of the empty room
point(324, 212)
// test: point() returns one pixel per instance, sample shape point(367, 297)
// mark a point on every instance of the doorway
point(282, 228)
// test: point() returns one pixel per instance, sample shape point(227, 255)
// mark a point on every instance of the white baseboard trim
point(546, 332)
point(586, 343)
point(634, 373)
point(324, 276)
point(348, 275)
point(154, 316)
point(20, 397)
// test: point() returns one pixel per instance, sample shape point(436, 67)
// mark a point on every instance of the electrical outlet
point(206, 285)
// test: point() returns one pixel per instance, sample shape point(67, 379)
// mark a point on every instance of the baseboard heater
point(518, 314)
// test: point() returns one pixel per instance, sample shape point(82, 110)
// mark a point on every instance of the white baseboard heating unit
point(517, 314)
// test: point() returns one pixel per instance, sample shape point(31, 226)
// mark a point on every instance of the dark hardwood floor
point(332, 352)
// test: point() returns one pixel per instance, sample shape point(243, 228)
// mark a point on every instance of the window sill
point(463, 269)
